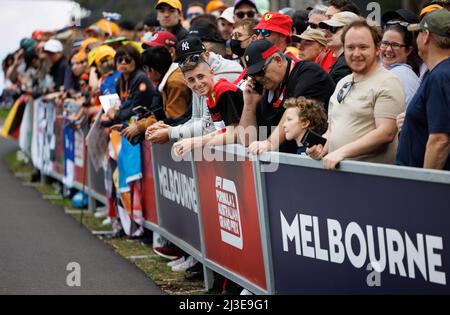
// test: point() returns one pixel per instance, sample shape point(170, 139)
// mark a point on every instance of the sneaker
point(195, 276)
point(114, 235)
point(171, 252)
point(231, 288)
point(218, 284)
point(176, 262)
point(107, 221)
point(101, 213)
point(190, 261)
point(195, 268)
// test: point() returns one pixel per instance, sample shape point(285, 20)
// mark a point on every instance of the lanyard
point(124, 94)
point(283, 93)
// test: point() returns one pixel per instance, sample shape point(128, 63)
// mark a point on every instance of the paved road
point(38, 241)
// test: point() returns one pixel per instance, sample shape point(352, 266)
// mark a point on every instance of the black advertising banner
point(177, 196)
point(345, 233)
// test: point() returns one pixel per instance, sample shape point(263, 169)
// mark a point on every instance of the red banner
point(148, 187)
point(230, 218)
point(81, 175)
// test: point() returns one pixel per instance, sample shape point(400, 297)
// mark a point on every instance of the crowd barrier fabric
point(292, 229)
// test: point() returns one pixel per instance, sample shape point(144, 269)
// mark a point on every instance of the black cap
point(188, 47)
point(206, 34)
point(257, 53)
point(151, 20)
point(403, 14)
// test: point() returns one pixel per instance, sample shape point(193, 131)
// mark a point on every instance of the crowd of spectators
point(375, 93)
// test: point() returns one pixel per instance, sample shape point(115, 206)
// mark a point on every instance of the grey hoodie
point(201, 122)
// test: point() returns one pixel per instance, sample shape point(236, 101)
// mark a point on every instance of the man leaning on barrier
point(364, 107)
point(278, 78)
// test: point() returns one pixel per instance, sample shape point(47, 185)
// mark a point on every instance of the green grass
point(153, 266)
point(3, 113)
point(17, 167)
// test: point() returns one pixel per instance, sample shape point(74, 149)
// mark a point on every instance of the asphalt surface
point(38, 241)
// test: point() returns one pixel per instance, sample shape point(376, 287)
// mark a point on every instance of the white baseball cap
point(340, 19)
point(53, 46)
point(228, 15)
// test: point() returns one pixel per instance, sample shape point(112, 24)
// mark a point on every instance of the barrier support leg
point(209, 277)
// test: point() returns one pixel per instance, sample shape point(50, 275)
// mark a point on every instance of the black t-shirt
point(58, 73)
point(226, 103)
point(306, 79)
point(340, 69)
point(140, 93)
point(180, 32)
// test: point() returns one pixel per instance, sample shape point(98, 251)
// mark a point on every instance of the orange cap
point(86, 42)
point(215, 5)
point(80, 56)
point(108, 27)
point(429, 9)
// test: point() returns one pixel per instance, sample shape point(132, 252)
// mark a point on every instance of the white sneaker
point(246, 292)
point(107, 221)
point(101, 212)
point(175, 262)
point(101, 215)
point(190, 261)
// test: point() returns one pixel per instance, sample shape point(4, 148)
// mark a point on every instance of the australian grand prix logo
point(229, 214)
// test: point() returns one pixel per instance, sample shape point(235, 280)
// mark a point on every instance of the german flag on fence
point(12, 124)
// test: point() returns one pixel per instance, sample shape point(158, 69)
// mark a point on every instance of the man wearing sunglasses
point(333, 33)
point(363, 109)
point(194, 9)
point(245, 9)
point(276, 28)
point(280, 78)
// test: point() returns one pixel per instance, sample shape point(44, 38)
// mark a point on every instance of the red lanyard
point(283, 93)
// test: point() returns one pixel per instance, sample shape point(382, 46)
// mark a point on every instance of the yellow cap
point(102, 52)
point(136, 45)
point(176, 4)
point(91, 56)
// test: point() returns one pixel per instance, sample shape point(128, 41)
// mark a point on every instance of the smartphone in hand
point(258, 87)
point(142, 111)
point(311, 139)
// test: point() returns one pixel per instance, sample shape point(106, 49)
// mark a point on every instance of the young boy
point(225, 102)
point(303, 114)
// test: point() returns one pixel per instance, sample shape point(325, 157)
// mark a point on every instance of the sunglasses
point(313, 25)
point(243, 14)
point(264, 33)
point(193, 58)
point(192, 15)
point(401, 23)
point(334, 29)
point(343, 92)
point(124, 59)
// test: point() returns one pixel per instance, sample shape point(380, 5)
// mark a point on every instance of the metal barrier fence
point(281, 224)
